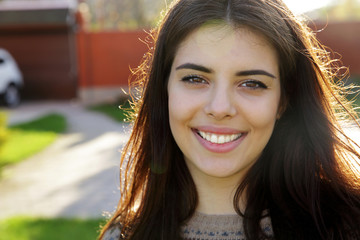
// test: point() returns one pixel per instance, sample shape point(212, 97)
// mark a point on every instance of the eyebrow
point(208, 70)
point(194, 67)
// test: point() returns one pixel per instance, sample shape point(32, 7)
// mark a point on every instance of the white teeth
point(219, 138)
point(213, 138)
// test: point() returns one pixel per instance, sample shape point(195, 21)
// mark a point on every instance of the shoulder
point(112, 234)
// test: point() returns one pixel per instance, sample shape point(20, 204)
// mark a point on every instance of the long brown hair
point(304, 178)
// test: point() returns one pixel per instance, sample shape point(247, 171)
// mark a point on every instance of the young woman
point(237, 133)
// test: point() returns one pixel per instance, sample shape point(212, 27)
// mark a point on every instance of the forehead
point(222, 43)
point(220, 31)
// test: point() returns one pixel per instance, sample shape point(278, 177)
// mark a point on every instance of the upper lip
point(218, 130)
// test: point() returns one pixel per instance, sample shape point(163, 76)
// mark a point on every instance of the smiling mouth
point(219, 138)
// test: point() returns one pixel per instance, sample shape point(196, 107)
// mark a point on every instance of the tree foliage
point(339, 10)
point(102, 15)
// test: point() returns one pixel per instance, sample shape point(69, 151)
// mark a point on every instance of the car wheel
point(12, 96)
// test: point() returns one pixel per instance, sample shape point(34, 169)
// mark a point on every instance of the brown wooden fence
point(343, 38)
point(105, 58)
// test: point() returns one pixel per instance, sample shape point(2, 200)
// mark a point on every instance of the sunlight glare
point(299, 7)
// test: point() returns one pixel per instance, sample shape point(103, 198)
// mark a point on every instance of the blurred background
point(63, 67)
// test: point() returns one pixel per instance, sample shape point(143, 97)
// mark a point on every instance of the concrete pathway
point(76, 176)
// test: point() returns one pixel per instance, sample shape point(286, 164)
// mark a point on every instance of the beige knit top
point(218, 227)
point(208, 227)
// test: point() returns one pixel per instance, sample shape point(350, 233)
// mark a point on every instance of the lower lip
point(219, 148)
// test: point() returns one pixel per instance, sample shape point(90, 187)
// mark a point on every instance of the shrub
point(3, 129)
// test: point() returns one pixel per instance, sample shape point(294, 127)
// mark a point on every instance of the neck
point(216, 194)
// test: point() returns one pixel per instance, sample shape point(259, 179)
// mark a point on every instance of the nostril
point(218, 116)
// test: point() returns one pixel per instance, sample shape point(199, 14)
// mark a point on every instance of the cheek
point(180, 113)
point(183, 104)
point(179, 108)
point(176, 106)
point(262, 114)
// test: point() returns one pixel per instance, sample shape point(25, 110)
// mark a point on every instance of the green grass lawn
point(25, 139)
point(118, 111)
point(28, 228)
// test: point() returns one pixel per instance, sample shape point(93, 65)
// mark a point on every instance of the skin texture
point(223, 81)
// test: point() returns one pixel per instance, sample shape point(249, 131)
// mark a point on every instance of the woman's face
point(224, 93)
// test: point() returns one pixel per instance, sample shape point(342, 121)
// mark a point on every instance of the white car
point(11, 79)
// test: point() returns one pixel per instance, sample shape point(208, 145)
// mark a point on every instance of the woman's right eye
point(194, 79)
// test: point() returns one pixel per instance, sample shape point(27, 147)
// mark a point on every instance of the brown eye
point(253, 84)
point(194, 79)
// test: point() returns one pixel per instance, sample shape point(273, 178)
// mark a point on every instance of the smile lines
point(219, 138)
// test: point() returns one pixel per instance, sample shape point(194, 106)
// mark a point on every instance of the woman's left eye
point(253, 84)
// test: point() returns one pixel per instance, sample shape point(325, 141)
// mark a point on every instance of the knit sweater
point(218, 227)
point(208, 227)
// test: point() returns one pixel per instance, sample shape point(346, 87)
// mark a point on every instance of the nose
point(220, 103)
